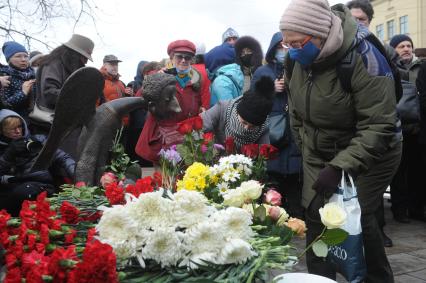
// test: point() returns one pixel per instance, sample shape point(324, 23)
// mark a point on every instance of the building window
point(391, 28)
point(403, 24)
point(380, 32)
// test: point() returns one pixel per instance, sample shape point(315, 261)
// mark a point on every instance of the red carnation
point(142, 186)
point(90, 235)
point(69, 212)
point(13, 276)
point(69, 237)
point(98, 265)
point(250, 150)
point(229, 145)
point(268, 151)
point(60, 261)
point(114, 194)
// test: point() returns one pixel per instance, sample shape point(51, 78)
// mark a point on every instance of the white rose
point(332, 215)
point(251, 189)
point(233, 198)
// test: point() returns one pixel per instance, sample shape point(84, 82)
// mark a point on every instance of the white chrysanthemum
point(152, 210)
point(205, 237)
point(164, 245)
point(235, 222)
point(203, 259)
point(251, 190)
point(116, 225)
point(235, 251)
point(190, 208)
point(126, 249)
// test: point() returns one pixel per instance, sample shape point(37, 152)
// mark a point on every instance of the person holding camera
point(18, 151)
point(17, 79)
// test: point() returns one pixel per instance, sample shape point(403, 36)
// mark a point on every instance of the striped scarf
point(234, 128)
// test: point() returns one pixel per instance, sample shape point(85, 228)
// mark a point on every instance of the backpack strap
point(345, 69)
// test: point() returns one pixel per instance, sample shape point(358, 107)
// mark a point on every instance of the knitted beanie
point(311, 17)
point(230, 32)
point(256, 105)
point(397, 39)
point(10, 48)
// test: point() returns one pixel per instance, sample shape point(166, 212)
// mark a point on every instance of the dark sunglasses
point(180, 57)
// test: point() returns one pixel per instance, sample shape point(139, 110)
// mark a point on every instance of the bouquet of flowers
point(197, 146)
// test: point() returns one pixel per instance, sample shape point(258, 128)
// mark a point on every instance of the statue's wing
point(75, 107)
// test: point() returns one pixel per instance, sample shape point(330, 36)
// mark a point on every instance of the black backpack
point(345, 68)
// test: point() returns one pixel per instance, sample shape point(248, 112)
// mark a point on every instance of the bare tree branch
point(31, 18)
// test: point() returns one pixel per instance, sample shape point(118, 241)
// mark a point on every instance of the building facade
point(393, 17)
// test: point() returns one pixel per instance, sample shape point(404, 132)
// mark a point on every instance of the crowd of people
point(327, 93)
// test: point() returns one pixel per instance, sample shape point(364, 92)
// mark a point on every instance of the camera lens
point(33, 146)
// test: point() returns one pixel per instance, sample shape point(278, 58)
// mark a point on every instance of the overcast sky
point(141, 30)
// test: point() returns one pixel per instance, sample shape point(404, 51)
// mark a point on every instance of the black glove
point(327, 181)
point(16, 148)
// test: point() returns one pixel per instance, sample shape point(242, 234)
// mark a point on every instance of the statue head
point(160, 91)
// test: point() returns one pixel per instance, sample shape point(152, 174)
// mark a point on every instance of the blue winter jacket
point(227, 83)
point(289, 160)
point(219, 56)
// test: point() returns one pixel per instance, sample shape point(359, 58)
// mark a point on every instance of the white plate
point(301, 278)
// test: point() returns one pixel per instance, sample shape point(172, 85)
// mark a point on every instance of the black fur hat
point(252, 44)
point(256, 105)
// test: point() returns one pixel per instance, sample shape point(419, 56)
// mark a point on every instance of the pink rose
point(108, 178)
point(80, 184)
point(273, 197)
point(274, 212)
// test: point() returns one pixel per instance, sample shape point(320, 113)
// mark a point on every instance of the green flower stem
point(313, 242)
point(259, 263)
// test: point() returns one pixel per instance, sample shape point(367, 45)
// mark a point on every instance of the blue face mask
point(305, 55)
point(183, 72)
point(280, 55)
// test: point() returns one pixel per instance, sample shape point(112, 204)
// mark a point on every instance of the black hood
point(252, 44)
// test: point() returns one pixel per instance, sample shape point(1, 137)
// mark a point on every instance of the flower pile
point(173, 229)
point(42, 247)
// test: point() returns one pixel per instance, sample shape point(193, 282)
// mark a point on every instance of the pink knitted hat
point(311, 17)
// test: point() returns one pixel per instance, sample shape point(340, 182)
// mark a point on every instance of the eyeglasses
point(297, 45)
point(180, 57)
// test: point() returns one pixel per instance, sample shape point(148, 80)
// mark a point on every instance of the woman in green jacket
point(338, 130)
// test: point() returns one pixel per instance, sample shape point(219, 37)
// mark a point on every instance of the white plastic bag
point(348, 257)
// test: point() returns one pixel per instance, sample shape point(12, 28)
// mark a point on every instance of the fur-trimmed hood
point(252, 44)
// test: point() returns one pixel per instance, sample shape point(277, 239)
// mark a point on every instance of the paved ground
point(407, 256)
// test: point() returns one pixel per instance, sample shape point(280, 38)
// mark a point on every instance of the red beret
point(181, 45)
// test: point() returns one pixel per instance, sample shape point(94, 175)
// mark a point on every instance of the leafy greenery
point(120, 161)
